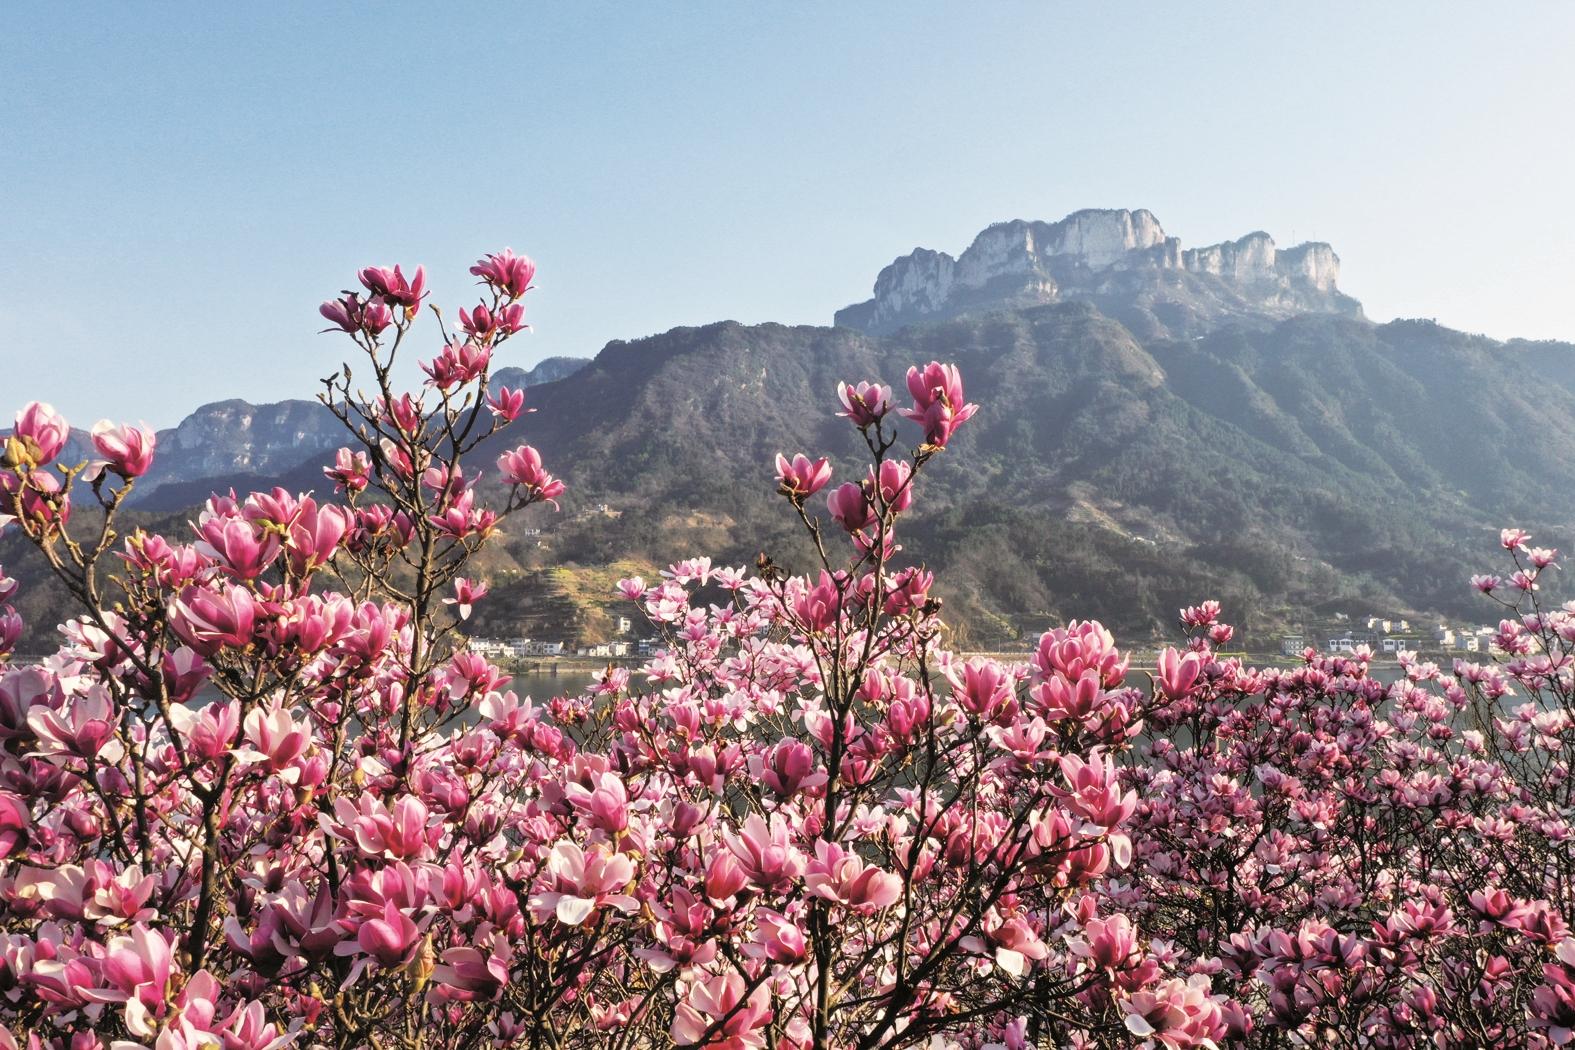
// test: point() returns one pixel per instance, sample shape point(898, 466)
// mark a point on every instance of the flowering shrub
point(263, 795)
point(1361, 864)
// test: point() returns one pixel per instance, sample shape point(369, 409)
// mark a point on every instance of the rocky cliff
point(239, 439)
point(1123, 261)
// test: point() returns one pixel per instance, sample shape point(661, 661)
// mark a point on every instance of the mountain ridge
point(1134, 453)
point(1113, 257)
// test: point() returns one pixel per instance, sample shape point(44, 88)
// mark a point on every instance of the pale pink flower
point(1175, 1014)
point(710, 999)
point(765, 852)
point(577, 882)
point(842, 876)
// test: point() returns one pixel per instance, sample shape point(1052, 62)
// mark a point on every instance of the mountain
point(547, 370)
point(236, 444)
point(1294, 468)
point(1159, 425)
point(1120, 260)
point(238, 439)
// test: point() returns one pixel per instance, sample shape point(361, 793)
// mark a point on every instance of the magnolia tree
point(1362, 864)
point(263, 795)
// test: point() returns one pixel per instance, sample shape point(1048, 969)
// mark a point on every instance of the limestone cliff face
point(1121, 259)
point(237, 435)
point(230, 439)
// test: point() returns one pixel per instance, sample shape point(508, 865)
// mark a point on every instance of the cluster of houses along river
point(1342, 634)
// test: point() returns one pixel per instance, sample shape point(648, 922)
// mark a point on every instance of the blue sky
point(180, 186)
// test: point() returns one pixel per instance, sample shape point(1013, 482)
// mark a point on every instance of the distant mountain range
point(1159, 425)
point(235, 443)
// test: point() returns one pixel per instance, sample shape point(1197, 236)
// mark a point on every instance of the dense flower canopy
point(263, 795)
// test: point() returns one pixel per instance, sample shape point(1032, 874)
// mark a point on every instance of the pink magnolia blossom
point(776, 939)
point(37, 500)
point(818, 607)
point(507, 403)
point(1080, 647)
point(468, 974)
point(482, 322)
point(605, 803)
point(1177, 1015)
point(352, 315)
point(789, 768)
point(401, 832)
point(1553, 1002)
point(1176, 672)
point(983, 689)
point(522, 467)
point(42, 431)
point(212, 618)
point(10, 629)
point(456, 365)
point(724, 877)
point(127, 449)
point(840, 876)
point(210, 732)
point(506, 272)
point(724, 1004)
point(1109, 944)
point(315, 534)
point(466, 594)
point(849, 506)
point(909, 591)
point(1204, 614)
point(239, 546)
point(938, 403)
point(84, 727)
point(15, 822)
point(865, 403)
point(764, 851)
point(392, 287)
point(136, 970)
point(578, 882)
point(351, 471)
point(892, 484)
point(801, 476)
point(274, 740)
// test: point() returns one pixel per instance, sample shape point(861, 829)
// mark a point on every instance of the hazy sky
point(181, 185)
